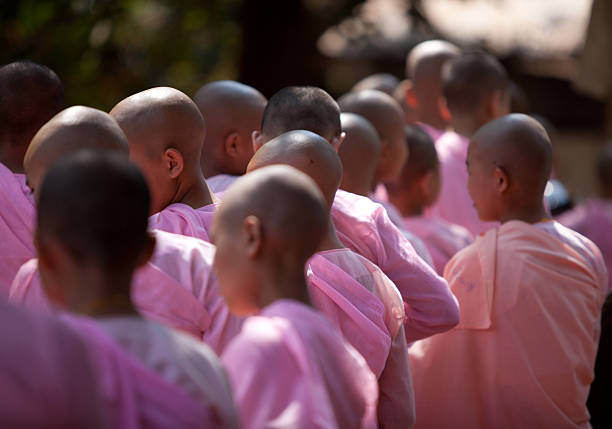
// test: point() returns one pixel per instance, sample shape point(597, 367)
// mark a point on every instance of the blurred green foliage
point(104, 50)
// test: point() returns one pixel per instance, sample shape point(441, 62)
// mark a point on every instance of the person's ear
point(501, 180)
point(445, 113)
point(410, 96)
point(253, 236)
point(173, 161)
point(337, 141)
point(257, 140)
point(147, 250)
point(233, 144)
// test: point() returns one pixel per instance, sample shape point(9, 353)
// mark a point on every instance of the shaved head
point(166, 132)
point(423, 156)
point(307, 152)
point(359, 154)
point(387, 117)
point(469, 79)
point(232, 111)
point(409, 193)
point(72, 129)
point(514, 149)
point(424, 68)
point(383, 82)
point(30, 95)
point(270, 223)
point(161, 118)
point(95, 206)
point(301, 108)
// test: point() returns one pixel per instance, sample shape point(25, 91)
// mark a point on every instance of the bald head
point(516, 149)
point(469, 82)
point(71, 130)
point(307, 152)
point(359, 154)
point(279, 214)
point(30, 95)
point(418, 184)
point(95, 206)
point(387, 117)
point(161, 118)
point(383, 82)
point(301, 108)
point(232, 111)
point(424, 68)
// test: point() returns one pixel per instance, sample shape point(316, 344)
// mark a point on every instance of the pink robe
point(291, 369)
point(593, 219)
point(175, 288)
point(523, 354)
point(46, 379)
point(134, 396)
point(434, 133)
point(218, 184)
point(180, 218)
point(442, 239)
point(364, 227)
point(454, 204)
point(16, 226)
point(396, 218)
point(359, 299)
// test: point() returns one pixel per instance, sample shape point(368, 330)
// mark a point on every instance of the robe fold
point(175, 288)
point(364, 227)
point(359, 299)
point(47, 379)
point(523, 353)
point(443, 239)
point(134, 395)
point(17, 214)
point(290, 368)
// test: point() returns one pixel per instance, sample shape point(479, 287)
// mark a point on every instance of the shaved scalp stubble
point(301, 108)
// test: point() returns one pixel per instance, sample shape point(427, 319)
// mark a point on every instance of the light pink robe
point(395, 217)
point(180, 218)
point(134, 396)
point(434, 133)
point(218, 184)
point(175, 288)
point(593, 219)
point(290, 368)
point(359, 299)
point(364, 227)
point(442, 239)
point(16, 226)
point(454, 203)
point(46, 380)
point(523, 354)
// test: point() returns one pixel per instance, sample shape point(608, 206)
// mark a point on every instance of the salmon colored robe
point(175, 288)
point(290, 368)
point(16, 226)
point(523, 353)
point(359, 299)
